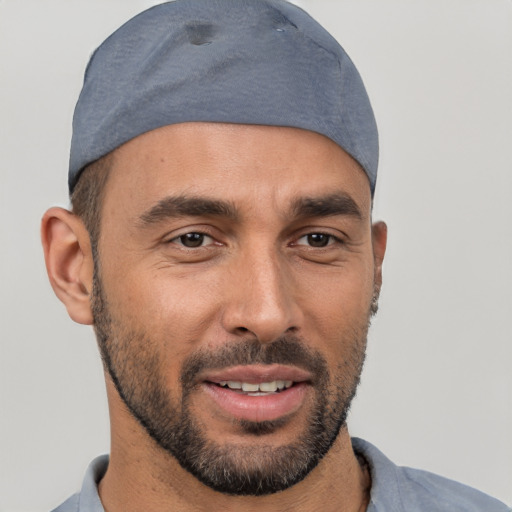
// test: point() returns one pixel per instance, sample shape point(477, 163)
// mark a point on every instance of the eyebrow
point(193, 206)
point(188, 206)
point(326, 206)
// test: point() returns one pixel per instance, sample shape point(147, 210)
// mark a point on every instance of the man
point(222, 171)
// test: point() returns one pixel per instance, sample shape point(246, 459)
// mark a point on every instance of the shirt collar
point(89, 500)
point(385, 493)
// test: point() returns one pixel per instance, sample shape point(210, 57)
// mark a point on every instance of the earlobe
point(379, 242)
point(68, 257)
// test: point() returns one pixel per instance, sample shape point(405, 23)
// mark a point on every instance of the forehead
point(238, 163)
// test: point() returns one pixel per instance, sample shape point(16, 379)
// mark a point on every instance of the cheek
point(159, 321)
point(173, 311)
point(337, 305)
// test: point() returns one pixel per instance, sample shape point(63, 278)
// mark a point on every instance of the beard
point(135, 366)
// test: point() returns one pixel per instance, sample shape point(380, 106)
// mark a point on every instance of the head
point(214, 256)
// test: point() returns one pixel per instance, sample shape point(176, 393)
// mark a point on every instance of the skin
point(255, 275)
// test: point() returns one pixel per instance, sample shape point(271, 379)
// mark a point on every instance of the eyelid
point(201, 230)
point(177, 240)
point(337, 237)
point(332, 239)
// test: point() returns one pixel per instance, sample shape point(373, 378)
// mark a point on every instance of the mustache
point(286, 350)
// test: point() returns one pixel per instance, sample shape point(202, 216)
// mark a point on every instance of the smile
point(261, 389)
point(257, 393)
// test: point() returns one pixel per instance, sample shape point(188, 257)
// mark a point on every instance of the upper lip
point(254, 374)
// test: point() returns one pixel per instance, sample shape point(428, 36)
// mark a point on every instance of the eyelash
point(179, 240)
point(331, 239)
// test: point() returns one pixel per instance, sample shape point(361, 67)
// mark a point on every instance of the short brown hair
point(87, 196)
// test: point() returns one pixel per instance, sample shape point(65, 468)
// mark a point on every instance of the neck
point(141, 476)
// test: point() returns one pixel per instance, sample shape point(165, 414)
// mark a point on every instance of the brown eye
point(192, 240)
point(318, 239)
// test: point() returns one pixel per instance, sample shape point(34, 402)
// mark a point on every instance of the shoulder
point(411, 490)
point(424, 488)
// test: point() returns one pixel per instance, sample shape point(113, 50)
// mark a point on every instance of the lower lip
point(258, 408)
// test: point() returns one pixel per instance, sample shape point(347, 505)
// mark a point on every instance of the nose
point(262, 298)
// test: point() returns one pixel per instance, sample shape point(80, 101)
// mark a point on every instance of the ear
point(69, 263)
point(379, 242)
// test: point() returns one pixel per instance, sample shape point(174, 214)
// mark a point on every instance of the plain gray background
point(437, 388)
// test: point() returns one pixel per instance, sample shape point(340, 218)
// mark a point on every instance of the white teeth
point(268, 386)
point(250, 387)
point(265, 387)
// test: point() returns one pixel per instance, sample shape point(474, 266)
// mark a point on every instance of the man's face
point(232, 296)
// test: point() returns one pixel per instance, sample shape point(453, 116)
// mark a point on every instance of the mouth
point(256, 389)
point(257, 393)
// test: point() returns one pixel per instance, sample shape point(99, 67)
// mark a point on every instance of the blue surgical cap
point(263, 62)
